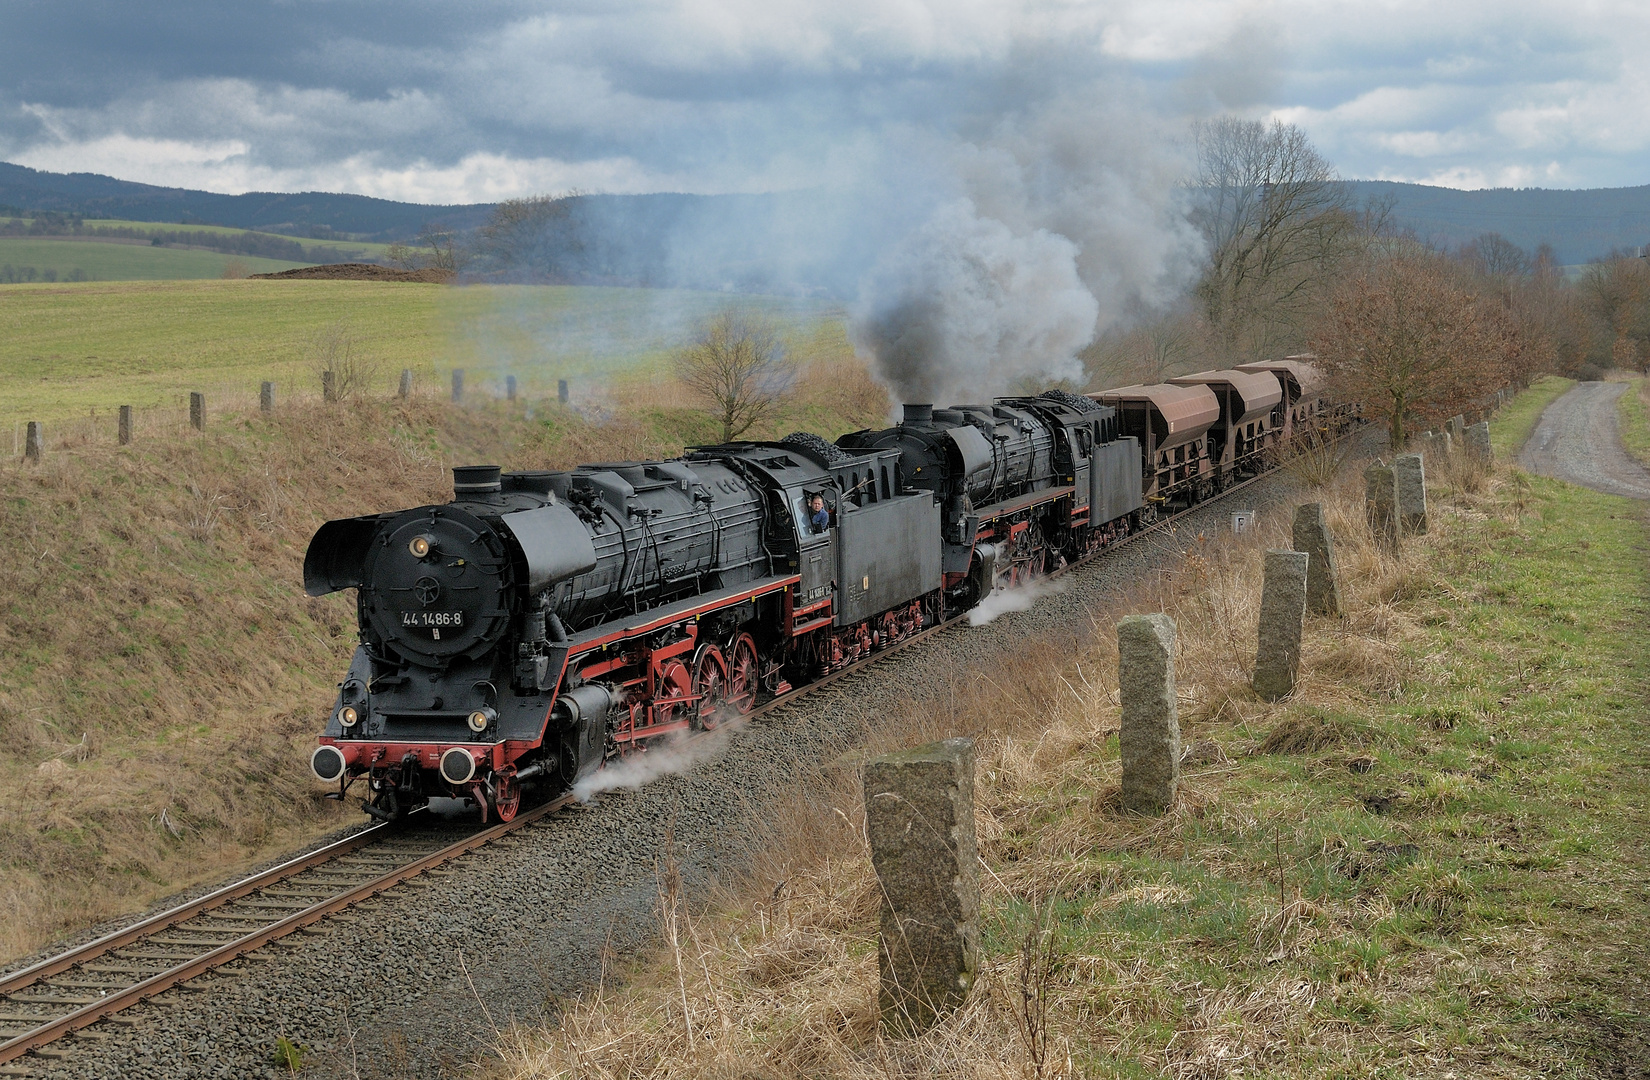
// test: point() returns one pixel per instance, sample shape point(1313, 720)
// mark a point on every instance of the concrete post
point(329, 386)
point(1381, 502)
point(266, 398)
point(561, 391)
point(1477, 441)
point(1282, 611)
point(197, 411)
point(1410, 486)
point(34, 444)
point(404, 390)
point(1311, 535)
point(458, 385)
point(510, 387)
point(919, 817)
point(1150, 736)
point(125, 436)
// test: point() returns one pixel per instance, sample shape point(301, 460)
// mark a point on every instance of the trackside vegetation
point(1428, 862)
point(165, 675)
point(1634, 409)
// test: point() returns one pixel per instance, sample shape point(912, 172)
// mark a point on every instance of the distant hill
point(1580, 225)
point(310, 213)
point(730, 239)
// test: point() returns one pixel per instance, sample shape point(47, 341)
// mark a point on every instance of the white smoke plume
point(1068, 218)
point(675, 757)
point(1020, 598)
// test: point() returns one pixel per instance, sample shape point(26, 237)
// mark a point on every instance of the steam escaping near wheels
point(1018, 598)
point(674, 757)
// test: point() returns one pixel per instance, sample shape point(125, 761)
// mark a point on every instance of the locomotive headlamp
point(348, 716)
point(479, 720)
point(420, 546)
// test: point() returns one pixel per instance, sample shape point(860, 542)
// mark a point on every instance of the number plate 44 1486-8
point(432, 620)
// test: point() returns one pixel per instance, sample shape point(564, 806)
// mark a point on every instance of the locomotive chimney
point(918, 414)
point(477, 481)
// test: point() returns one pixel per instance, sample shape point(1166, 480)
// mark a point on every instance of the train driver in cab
point(819, 518)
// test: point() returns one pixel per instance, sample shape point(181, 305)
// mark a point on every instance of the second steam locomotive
point(541, 622)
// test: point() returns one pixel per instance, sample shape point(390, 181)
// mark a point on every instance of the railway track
point(94, 982)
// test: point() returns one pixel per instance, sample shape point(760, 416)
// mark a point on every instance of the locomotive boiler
point(542, 622)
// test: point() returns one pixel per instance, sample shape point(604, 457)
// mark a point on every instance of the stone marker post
point(1323, 591)
point(404, 390)
point(919, 817)
point(34, 444)
point(561, 391)
point(510, 387)
point(329, 386)
point(197, 410)
point(266, 398)
point(1150, 736)
point(125, 436)
point(1455, 425)
point(1477, 439)
point(1282, 610)
point(458, 385)
point(1381, 502)
point(1409, 477)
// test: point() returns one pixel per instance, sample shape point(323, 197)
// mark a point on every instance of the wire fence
point(191, 412)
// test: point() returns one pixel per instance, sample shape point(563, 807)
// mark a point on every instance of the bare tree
point(737, 365)
point(531, 235)
point(1616, 294)
point(445, 250)
point(1276, 223)
point(1405, 339)
point(344, 371)
point(1496, 257)
point(407, 258)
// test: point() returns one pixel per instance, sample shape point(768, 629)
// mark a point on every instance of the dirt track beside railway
point(1577, 440)
point(415, 984)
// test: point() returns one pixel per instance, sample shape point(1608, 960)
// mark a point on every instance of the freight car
point(540, 623)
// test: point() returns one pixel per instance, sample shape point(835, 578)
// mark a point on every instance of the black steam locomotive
point(542, 622)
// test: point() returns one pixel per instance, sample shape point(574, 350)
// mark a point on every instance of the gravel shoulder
point(1577, 440)
point(417, 983)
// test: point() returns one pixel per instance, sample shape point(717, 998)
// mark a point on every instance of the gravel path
point(415, 983)
point(1577, 440)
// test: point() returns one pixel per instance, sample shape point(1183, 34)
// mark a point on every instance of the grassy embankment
point(1633, 408)
point(163, 672)
point(1429, 862)
point(71, 350)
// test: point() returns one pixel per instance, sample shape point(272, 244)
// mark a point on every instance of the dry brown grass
point(1321, 899)
point(780, 977)
point(163, 672)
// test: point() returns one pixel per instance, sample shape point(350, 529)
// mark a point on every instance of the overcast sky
point(476, 101)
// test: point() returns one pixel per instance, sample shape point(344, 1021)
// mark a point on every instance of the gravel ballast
point(416, 983)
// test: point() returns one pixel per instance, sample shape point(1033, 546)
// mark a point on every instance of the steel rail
point(159, 983)
point(54, 965)
point(234, 950)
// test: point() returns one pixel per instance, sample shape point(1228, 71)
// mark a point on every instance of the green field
point(104, 260)
point(73, 348)
point(351, 248)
